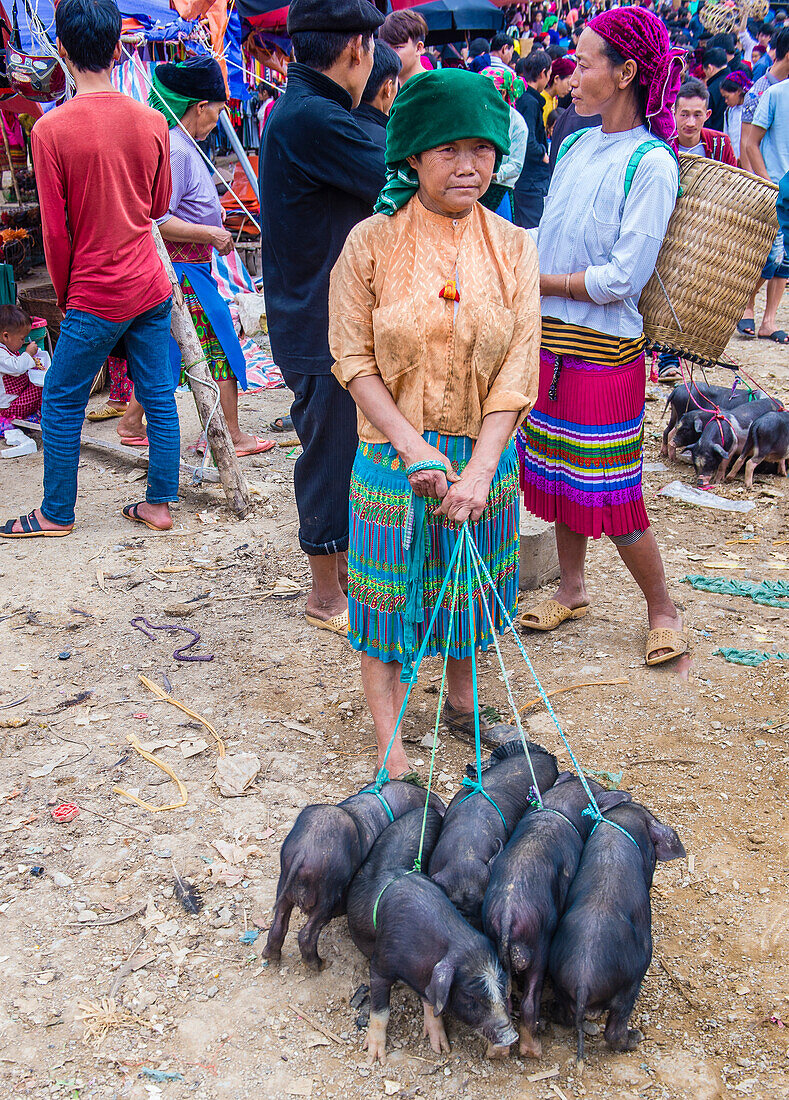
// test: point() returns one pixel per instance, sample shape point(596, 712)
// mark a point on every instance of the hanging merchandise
point(38, 78)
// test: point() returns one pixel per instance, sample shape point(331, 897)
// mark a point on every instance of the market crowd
point(454, 243)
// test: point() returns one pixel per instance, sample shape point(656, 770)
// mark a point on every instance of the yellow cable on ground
point(572, 687)
point(192, 713)
point(135, 744)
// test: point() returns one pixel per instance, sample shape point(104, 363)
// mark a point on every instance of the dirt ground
point(91, 933)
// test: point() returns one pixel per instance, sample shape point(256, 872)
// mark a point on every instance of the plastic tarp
point(147, 12)
point(460, 15)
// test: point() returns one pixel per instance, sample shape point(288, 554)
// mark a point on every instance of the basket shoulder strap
point(639, 154)
point(570, 141)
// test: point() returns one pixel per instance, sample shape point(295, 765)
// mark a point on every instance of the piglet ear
point(609, 799)
point(667, 843)
point(437, 992)
point(698, 425)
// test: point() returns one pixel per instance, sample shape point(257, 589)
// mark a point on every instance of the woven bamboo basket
point(716, 245)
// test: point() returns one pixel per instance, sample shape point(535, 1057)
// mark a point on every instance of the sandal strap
point(665, 638)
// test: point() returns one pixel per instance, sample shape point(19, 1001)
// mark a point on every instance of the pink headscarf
point(640, 36)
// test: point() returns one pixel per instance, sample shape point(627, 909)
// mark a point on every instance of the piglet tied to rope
point(180, 653)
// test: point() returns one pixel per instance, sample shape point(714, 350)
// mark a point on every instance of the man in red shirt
point(691, 111)
point(102, 165)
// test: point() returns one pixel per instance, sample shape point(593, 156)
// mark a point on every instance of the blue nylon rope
point(376, 790)
point(419, 657)
point(476, 787)
point(511, 627)
point(414, 544)
point(605, 821)
point(508, 686)
point(564, 817)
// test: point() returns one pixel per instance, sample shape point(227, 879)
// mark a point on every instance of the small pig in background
point(529, 884)
point(408, 928)
point(723, 438)
point(697, 397)
point(323, 851)
point(603, 945)
point(473, 832)
point(767, 441)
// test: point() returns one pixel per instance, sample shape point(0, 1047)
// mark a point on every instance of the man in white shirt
point(769, 154)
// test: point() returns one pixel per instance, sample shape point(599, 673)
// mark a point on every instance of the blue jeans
point(777, 266)
point(85, 342)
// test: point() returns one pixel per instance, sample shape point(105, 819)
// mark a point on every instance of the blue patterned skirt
point(377, 564)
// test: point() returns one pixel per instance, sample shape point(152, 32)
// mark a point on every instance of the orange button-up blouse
point(446, 363)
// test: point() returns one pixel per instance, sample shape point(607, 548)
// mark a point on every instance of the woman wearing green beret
point(434, 327)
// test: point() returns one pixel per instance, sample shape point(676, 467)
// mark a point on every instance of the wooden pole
point(10, 165)
point(203, 390)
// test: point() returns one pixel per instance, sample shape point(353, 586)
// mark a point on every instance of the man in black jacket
point(319, 175)
point(532, 185)
point(372, 114)
point(715, 72)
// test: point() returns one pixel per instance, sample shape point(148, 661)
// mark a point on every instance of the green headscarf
point(433, 108)
point(172, 105)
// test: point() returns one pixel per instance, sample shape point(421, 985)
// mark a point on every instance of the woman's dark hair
point(13, 318)
point(386, 66)
point(89, 31)
point(534, 65)
point(320, 49)
point(555, 50)
point(615, 60)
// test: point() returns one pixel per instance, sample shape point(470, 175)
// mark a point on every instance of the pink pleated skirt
point(581, 453)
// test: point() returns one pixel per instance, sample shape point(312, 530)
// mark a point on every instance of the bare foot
point(157, 514)
point(46, 524)
point(434, 1031)
point(342, 571)
point(130, 426)
point(397, 764)
point(325, 609)
point(244, 441)
point(571, 597)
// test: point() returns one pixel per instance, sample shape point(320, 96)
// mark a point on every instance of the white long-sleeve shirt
point(588, 226)
point(16, 365)
point(512, 165)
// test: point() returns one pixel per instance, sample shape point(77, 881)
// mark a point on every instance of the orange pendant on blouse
point(450, 291)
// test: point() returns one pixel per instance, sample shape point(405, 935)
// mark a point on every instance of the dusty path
point(708, 756)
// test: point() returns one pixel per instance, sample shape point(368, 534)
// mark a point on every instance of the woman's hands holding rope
point(430, 483)
point(467, 497)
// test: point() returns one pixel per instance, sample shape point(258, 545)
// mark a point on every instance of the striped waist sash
point(577, 342)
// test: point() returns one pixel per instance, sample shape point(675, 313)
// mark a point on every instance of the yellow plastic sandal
point(549, 614)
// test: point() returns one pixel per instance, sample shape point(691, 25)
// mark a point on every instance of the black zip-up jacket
point(535, 169)
point(319, 175)
point(372, 121)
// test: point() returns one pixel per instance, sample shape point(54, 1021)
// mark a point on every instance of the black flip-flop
point(31, 529)
point(746, 327)
point(130, 512)
point(281, 424)
point(777, 337)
